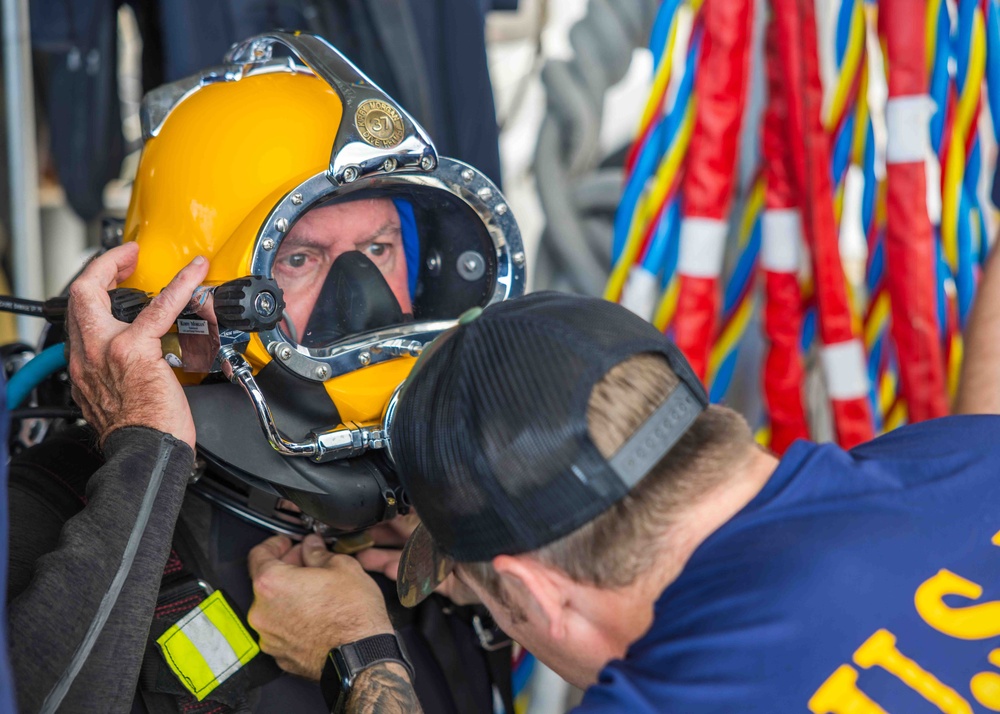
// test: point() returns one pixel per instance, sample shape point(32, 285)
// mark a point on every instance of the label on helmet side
point(192, 327)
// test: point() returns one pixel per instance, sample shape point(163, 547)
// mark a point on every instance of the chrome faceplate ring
point(474, 189)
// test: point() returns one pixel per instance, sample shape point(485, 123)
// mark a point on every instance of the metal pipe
point(22, 161)
point(239, 372)
point(344, 443)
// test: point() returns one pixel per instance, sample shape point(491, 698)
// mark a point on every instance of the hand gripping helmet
point(340, 244)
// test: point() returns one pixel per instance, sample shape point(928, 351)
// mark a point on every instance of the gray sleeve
point(49, 619)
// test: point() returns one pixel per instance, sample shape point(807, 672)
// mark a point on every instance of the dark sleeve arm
point(48, 621)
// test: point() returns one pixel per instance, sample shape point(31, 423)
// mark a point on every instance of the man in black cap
point(570, 474)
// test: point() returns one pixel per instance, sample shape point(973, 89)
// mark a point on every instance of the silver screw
point(468, 175)
point(297, 199)
point(434, 263)
point(471, 265)
point(265, 304)
point(519, 257)
point(322, 372)
point(427, 163)
point(268, 244)
point(350, 174)
point(501, 209)
point(281, 225)
point(389, 165)
point(285, 354)
point(365, 358)
point(485, 193)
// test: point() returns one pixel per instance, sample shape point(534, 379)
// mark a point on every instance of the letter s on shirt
point(973, 622)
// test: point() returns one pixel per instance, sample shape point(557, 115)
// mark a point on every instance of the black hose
point(568, 148)
point(46, 413)
point(35, 308)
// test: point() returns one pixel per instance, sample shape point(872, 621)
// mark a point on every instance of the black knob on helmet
point(250, 304)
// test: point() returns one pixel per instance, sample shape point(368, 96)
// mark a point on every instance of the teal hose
point(45, 364)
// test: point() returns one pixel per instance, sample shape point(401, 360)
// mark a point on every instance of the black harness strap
point(453, 638)
point(180, 592)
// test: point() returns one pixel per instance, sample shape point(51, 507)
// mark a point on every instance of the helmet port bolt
point(389, 165)
point(519, 257)
point(267, 244)
point(471, 266)
point(296, 199)
point(281, 225)
point(285, 354)
point(468, 175)
point(427, 163)
point(350, 174)
point(265, 304)
point(365, 358)
point(485, 193)
point(322, 372)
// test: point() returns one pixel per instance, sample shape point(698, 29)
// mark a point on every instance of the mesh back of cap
point(491, 435)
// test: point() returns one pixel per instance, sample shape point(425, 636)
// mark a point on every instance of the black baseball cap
point(490, 434)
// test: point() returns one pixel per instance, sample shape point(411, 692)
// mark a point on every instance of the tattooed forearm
point(383, 689)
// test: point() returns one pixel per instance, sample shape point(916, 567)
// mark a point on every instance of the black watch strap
point(345, 663)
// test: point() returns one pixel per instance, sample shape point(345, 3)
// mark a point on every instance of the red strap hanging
point(720, 95)
point(842, 353)
point(909, 243)
point(780, 258)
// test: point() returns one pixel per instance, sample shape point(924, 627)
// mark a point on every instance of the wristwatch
point(345, 663)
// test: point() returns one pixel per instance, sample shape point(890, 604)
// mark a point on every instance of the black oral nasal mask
point(355, 298)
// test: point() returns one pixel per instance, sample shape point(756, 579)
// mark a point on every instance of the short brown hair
point(612, 549)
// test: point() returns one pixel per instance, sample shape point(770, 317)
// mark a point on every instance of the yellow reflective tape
point(184, 660)
point(207, 646)
point(226, 621)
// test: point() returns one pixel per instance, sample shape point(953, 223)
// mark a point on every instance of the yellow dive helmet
point(341, 244)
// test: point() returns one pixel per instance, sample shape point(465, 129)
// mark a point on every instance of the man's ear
point(534, 588)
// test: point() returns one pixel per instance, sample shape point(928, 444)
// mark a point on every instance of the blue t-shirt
point(863, 582)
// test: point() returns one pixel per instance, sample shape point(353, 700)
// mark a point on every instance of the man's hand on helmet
point(119, 375)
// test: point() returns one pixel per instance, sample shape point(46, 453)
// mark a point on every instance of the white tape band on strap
point(781, 241)
point(907, 122)
point(211, 644)
point(845, 370)
point(703, 246)
point(640, 293)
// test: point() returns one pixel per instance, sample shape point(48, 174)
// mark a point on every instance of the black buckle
point(184, 588)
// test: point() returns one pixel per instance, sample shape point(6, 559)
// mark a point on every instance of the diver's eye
point(296, 260)
point(377, 250)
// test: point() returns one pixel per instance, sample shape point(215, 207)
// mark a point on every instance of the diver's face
point(322, 235)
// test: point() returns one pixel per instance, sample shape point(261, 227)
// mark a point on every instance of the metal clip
point(491, 639)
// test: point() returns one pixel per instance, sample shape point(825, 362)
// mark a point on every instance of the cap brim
point(422, 567)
